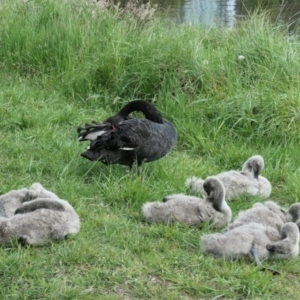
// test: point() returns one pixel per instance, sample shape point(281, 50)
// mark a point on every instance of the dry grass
point(142, 13)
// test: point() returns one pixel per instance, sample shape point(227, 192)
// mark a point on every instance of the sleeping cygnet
point(254, 241)
point(247, 181)
point(192, 210)
point(37, 221)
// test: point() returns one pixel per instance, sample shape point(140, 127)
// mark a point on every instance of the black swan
point(95, 129)
point(124, 140)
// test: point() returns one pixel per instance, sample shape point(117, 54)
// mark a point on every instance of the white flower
point(241, 57)
point(205, 62)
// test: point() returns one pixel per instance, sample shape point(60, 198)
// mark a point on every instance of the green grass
point(64, 63)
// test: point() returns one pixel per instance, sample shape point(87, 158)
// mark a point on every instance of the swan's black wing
point(148, 140)
point(92, 131)
point(95, 129)
point(127, 136)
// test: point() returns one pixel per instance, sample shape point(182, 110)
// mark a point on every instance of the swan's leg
point(139, 169)
point(254, 253)
point(139, 164)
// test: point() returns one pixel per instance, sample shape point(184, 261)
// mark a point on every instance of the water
point(227, 12)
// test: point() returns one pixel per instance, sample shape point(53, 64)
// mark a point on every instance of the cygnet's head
point(215, 191)
point(294, 211)
point(255, 164)
point(290, 230)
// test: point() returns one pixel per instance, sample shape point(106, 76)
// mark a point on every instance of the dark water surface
point(227, 12)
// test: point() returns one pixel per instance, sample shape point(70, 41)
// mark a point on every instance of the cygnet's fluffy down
point(248, 181)
point(254, 241)
point(12, 200)
point(268, 213)
point(37, 221)
point(192, 210)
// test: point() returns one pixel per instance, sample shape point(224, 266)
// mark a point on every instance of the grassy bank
point(64, 63)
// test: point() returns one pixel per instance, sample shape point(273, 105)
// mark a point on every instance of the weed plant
point(230, 93)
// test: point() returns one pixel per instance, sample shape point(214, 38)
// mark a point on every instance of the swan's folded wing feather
point(92, 131)
point(128, 135)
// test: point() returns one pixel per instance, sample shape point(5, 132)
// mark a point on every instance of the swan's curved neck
point(219, 202)
point(149, 110)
